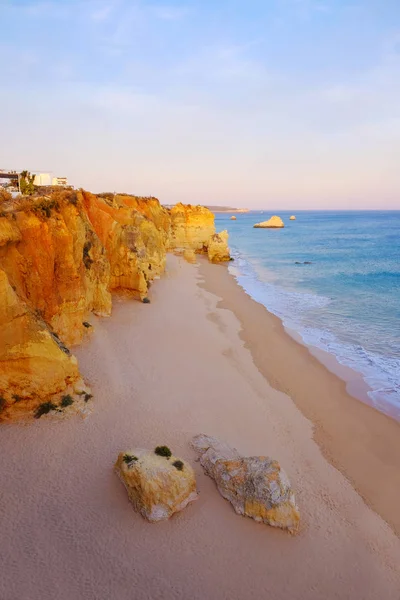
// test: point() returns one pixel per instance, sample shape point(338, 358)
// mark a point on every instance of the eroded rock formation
point(56, 263)
point(272, 223)
point(256, 486)
point(191, 227)
point(61, 256)
point(134, 233)
point(158, 485)
point(34, 365)
point(218, 250)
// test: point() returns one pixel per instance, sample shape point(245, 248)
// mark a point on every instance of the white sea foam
point(381, 373)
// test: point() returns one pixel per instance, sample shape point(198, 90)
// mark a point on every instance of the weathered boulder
point(292, 218)
point(158, 485)
point(233, 218)
point(256, 486)
point(218, 250)
point(273, 222)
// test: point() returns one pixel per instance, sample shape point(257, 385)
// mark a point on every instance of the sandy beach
point(201, 358)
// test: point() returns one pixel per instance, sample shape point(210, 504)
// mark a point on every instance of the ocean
point(346, 301)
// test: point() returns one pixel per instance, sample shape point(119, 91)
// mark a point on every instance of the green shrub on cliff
point(44, 207)
point(66, 401)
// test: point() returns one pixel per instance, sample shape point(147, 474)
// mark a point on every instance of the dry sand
point(160, 374)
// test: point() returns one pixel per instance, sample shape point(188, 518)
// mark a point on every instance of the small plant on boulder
point(87, 397)
point(66, 401)
point(86, 324)
point(178, 464)
point(44, 409)
point(129, 459)
point(163, 451)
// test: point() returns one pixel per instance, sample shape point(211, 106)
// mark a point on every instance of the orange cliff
point(56, 263)
point(191, 228)
point(61, 256)
point(34, 364)
point(134, 232)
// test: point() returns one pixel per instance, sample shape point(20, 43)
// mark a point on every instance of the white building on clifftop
point(42, 179)
point(62, 181)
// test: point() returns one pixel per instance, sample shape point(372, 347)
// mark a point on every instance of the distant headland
point(229, 209)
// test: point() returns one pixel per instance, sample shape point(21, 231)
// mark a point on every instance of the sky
point(285, 104)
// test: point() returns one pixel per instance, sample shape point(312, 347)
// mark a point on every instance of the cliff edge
point(61, 257)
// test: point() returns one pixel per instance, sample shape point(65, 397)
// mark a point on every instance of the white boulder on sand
point(256, 486)
point(158, 483)
point(273, 222)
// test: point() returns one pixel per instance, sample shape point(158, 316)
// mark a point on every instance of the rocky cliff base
point(61, 257)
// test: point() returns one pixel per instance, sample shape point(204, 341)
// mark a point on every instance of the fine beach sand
point(161, 373)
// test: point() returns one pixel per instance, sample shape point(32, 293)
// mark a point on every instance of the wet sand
point(357, 439)
point(161, 373)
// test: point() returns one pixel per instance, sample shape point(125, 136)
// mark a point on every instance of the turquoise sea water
point(346, 302)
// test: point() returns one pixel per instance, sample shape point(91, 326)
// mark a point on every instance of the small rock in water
point(158, 485)
point(307, 262)
point(272, 223)
point(256, 486)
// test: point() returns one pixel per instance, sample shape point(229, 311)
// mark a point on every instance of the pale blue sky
point(260, 103)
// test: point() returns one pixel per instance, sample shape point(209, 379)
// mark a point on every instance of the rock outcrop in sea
point(292, 218)
point(61, 257)
point(272, 223)
point(256, 486)
point(158, 483)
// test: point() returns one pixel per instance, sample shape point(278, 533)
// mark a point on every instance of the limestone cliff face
point(34, 365)
point(218, 250)
point(191, 227)
point(57, 264)
point(61, 256)
point(134, 232)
